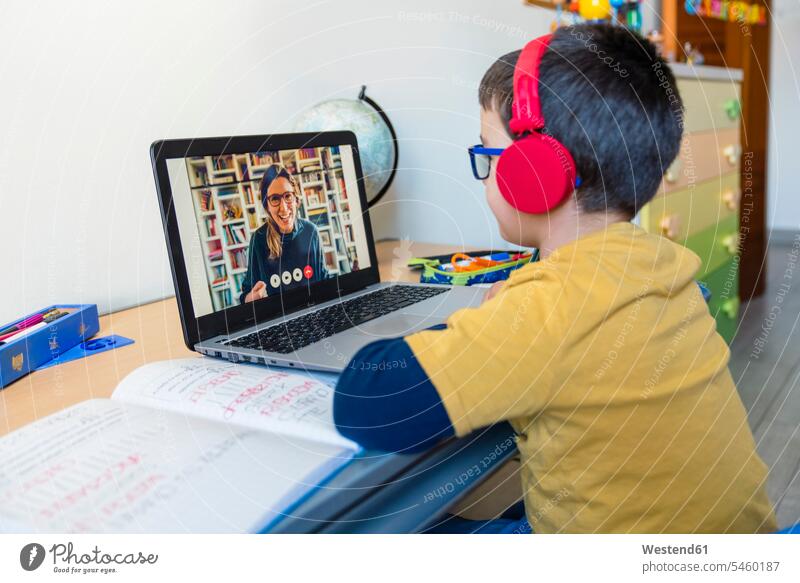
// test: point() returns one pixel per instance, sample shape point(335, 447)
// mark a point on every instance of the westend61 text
point(674, 550)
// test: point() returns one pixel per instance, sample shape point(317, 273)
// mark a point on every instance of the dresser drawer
point(724, 305)
point(678, 215)
point(703, 155)
point(727, 316)
point(716, 245)
point(710, 105)
point(723, 282)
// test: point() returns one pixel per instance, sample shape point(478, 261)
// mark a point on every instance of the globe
point(377, 143)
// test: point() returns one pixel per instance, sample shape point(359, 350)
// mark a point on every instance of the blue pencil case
point(30, 347)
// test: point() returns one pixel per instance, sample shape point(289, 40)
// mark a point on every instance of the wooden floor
point(765, 363)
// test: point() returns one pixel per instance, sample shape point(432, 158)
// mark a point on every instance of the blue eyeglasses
point(481, 160)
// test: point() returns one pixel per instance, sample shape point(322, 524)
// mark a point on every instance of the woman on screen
point(286, 251)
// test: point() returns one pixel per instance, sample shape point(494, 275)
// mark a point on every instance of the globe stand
point(362, 96)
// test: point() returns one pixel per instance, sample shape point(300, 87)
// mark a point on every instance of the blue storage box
point(439, 269)
point(22, 353)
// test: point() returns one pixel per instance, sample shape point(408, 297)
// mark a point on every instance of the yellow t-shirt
point(606, 361)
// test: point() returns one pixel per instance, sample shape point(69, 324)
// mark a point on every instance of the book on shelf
point(235, 234)
point(223, 179)
point(190, 445)
point(244, 170)
point(218, 274)
point(236, 280)
point(313, 195)
point(205, 200)
point(306, 153)
point(224, 298)
point(330, 261)
point(227, 191)
point(263, 158)
point(238, 258)
point(211, 226)
point(312, 177)
point(222, 163)
point(319, 217)
point(214, 250)
point(198, 172)
point(247, 190)
point(331, 159)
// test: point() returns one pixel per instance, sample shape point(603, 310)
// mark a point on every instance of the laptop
point(272, 252)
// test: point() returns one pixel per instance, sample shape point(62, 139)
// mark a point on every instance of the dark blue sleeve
point(385, 401)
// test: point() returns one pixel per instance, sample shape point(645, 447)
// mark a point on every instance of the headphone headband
point(526, 109)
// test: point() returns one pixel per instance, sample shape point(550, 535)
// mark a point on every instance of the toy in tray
point(479, 267)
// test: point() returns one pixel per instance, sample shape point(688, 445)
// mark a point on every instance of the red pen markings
point(201, 390)
point(132, 495)
point(280, 402)
point(108, 475)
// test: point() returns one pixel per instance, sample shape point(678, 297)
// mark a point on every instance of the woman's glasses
point(275, 199)
point(481, 160)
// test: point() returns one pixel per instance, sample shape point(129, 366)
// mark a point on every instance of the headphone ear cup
point(535, 174)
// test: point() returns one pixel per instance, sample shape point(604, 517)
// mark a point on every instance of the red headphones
point(536, 173)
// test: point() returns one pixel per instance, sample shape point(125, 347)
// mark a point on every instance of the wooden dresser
point(698, 202)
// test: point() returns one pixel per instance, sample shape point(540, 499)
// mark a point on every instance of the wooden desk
point(156, 330)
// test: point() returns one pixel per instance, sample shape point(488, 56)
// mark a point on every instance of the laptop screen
point(256, 224)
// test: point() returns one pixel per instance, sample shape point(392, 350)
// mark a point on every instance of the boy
point(603, 355)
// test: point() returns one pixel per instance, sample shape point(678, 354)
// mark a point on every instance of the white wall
point(783, 186)
point(87, 86)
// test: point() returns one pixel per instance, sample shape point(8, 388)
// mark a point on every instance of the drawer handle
point(670, 225)
point(730, 308)
point(673, 172)
point(732, 153)
point(733, 109)
point(731, 243)
point(731, 198)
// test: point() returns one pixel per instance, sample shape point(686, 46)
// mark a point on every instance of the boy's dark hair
point(611, 100)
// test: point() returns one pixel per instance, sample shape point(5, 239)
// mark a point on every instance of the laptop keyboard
point(315, 326)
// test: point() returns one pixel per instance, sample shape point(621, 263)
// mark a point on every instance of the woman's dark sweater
point(301, 248)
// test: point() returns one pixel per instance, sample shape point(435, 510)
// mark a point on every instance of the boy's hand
point(259, 291)
point(492, 291)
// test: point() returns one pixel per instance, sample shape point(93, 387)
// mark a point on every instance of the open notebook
point(193, 445)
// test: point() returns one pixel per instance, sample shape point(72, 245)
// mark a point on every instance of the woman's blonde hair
point(274, 236)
